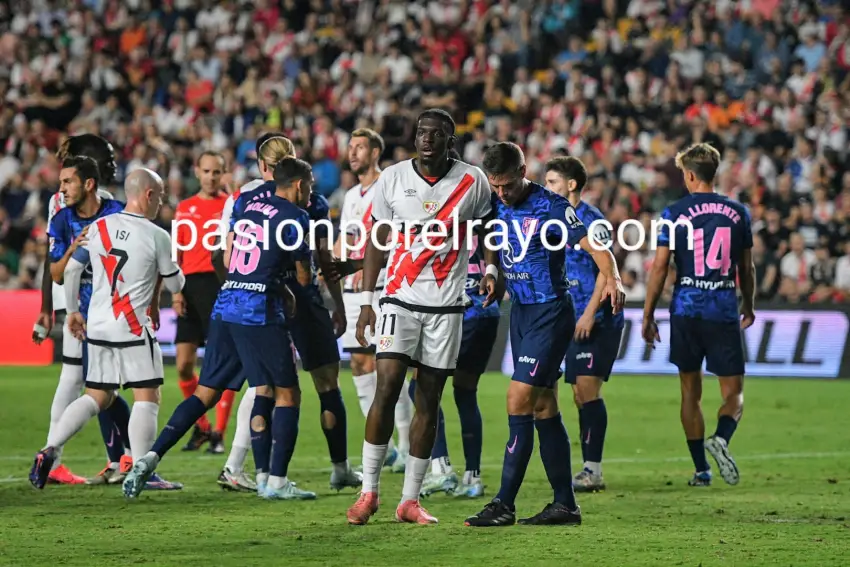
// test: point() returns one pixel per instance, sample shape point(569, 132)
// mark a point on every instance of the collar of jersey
point(131, 214)
point(452, 163)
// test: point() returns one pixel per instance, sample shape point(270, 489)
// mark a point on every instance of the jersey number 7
point(719, 256)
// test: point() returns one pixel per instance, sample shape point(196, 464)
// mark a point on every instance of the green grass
point(792, 506)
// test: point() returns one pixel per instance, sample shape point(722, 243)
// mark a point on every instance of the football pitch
point(791, 508)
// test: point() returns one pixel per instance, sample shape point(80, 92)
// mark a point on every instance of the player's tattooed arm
point(44, 323)
point(57, 269)
point(217, 259)
point(654, 287)
point(493, 281)
point(747, 277)
point(326, 263)
point(607, 265)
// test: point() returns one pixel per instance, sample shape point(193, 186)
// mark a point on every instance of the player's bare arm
point(57, 269)
point(584, 325)
point(607, 265)
point(73, 275)
point(747, 277)
point(373, 260)
point(217, 258)
point(325, 262)
point(654, 287)
point(44, 322)
point(490, 282)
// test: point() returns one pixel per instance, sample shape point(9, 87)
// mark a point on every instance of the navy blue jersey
point(706, 273)
point(540, 276)
point(252, 293)
point(65, 227)
point(474, 273)
point(582, 271)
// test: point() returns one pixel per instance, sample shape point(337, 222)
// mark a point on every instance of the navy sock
point(582, 425)
point(517, 454)
point(284, 435)
point(181, 421)
point(261, 440)
point(596, 417)
point(555, 454)
point(726, 426)
point(114, 422)
point(441, 447)
point(337, 435)
point(697, 449)
point(470, 427)
point(411, 390)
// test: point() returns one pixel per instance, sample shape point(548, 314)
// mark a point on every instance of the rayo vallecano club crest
point(431, 207)
point(529, 225)
point(385, 342)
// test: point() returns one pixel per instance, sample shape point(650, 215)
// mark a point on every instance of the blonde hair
point(702, 160)
point(274, 150)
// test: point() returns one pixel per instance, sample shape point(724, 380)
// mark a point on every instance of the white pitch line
point(488, 465)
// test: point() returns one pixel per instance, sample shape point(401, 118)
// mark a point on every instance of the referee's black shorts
point(199, 292)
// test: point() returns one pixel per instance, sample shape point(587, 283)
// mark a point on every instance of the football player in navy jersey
point(248, 331)
point(710, 238)
point(542, 324)
point(599, 330)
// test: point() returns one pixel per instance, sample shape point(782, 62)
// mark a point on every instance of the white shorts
point(352, 302)
point(426, 340)
point(131, 365)
point(72, 348)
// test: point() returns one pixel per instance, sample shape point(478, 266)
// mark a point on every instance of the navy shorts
point(720, 344)
point(263, 354)
point(476, 345)
point(593, 356)
point(313, 334)
point(540, 336)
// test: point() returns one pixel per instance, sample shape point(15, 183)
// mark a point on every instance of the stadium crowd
point(623, 84)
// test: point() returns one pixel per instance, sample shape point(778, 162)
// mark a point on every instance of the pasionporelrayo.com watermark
point(435, 235)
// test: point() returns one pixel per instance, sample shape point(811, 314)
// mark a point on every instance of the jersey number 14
point(719, 255)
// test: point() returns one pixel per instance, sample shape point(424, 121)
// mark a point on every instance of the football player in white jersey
point(128, 255)
point(364, 153)
point(422, 304)
point(53, 301)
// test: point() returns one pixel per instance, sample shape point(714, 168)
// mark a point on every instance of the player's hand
point(289, 303)
point(357, 282)
point(77, 326)
point(748, 317)
point(44, 320)
point(584, 326)
point(614, 289)
point(81, 240)
point(335, 271)
point(367, 319)
point(649, 331)
point(178, 303)
point(339, 322)
point(488, 287)
point(153, 313)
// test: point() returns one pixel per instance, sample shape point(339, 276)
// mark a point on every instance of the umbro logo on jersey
point(431, 207)
point(385, 342)
point(410, 192)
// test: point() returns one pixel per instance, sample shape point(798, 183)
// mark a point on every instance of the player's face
point(509, 187)
point(154, 201)
point(305, 187)
point(209, 172)
point(559, 185)
point(360, 156)
point(72, 187)
point(433, 141)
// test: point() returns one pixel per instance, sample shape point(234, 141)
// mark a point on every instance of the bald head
point(143, 190)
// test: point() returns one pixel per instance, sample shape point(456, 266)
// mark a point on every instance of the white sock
point(242, 437)
point(73, 419)
point(595, 468)
point(261, 478)
point(441, 466)
point(67, 390)
point(414, 474)
point(403, 416)
point(277, 482)
point(373, 462)
point(470, 477)
point(365, 385)
point(142, 428)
